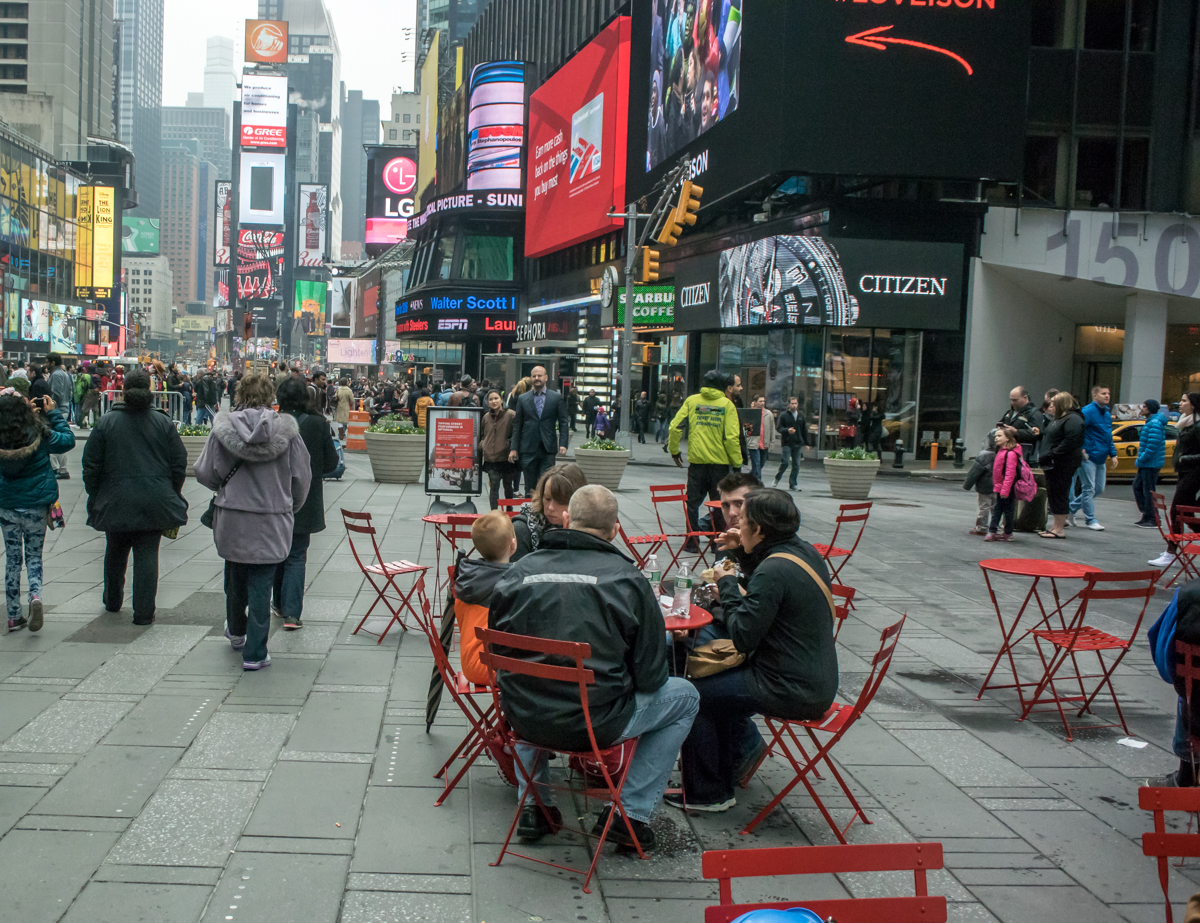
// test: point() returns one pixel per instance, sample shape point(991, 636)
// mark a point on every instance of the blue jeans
point(248, 605)
point(1144, 483)
point(757, 457)
point(1184, 746)
point(289, 577)
point(1090, 481)
point(660, 432)
point(794, 453)
point(661, 721)
point(24, 532)
point(203, 415)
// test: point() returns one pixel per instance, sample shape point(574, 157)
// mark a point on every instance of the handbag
point(55, 518)
point(847, 431)
point(207, 519)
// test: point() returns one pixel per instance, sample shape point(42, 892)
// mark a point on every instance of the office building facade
point(210, 126)
point(140, 95)
point(360, 125)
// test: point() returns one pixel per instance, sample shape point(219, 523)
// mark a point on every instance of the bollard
point(933, 457)
point(898, 459)
point(356, 440)
point(960, 450)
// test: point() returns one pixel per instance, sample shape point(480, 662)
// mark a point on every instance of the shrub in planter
point(602, 461)
point(194, 436)
point(851, 472)
point(397, 450)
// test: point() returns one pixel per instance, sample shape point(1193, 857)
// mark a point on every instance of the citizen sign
point(692, 296)
point(902, 285)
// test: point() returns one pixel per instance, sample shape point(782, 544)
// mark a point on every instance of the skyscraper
point(56, 83)
point(181, 216)
point(209, 126)
point(360, 125)
point(141, 95)
point(220, 78)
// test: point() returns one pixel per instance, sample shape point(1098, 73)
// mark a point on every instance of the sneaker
point(17, 624)
point(237, 642)
point(1141, 524)
point(275, 613)
point(776, 484)
point(749, 766)
point(534, 825)
point(1071, 519)
point(63, 475)
point(716, 807)
point(256, 664)
point(1006, 537)
point(978, 530)
point(1095, 526)
point(990, 537)
point(1170, 780)
point(1166, 559)
point(292, 624)
point(35, 614)
point(618, 833)
point(794, 489)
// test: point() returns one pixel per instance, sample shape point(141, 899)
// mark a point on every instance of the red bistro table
point(441, 522)
point(1053, 571)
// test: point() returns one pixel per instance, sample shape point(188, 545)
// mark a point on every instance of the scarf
point(537, 525)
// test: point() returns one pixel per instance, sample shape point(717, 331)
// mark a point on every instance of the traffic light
point(688, 205)
point(671, 229)
point(649, 265)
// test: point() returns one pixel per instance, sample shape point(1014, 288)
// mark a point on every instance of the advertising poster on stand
point(453, 461)
point(310, 239)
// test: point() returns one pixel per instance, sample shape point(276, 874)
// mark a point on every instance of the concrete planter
point(396, 459)
point(602, 467)
point(850, 479)
point(194, 445)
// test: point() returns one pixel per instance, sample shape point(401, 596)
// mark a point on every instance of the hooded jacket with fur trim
point(255, 510)
point(26, 479)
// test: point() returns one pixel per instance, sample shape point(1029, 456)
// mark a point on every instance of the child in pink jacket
point(1004, 477)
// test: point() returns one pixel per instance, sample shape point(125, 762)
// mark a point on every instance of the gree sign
point(653, 306)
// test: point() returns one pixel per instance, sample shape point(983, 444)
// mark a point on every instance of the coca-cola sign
point(259, 265)
point(311, 218)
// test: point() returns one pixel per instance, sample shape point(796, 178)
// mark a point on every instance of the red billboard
point(577, 140)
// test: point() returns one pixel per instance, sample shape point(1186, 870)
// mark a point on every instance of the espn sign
point(264, 111)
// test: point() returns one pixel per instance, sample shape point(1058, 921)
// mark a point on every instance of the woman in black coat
point(134, 466)
point(1186, 460)
point(1061, 455)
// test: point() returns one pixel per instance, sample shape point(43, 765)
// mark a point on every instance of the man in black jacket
point(1024, 416)
point(578, 587)
point(539, 428)
point(791, 431)
point(590, 403)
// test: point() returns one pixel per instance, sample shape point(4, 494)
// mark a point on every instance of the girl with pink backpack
point(1011, 479)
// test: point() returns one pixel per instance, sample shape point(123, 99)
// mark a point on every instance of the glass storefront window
point(867, 373)
point(487, 257)
point(1181, 361)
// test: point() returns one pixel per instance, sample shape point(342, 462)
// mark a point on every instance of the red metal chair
point(511, 507)
point(382, 576)
point(841, 610)
point(848, 515)
point(518, 647)
point(648, 545)
point(1078, 638)
point(835, 722)
point(484, 733)
point(1161, 845)
point(663, 496)
point(726, 864)
point(1174, 533)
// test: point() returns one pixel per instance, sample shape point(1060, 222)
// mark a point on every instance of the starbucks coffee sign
point(653, 306)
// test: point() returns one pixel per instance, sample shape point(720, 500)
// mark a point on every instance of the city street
point(144, 776)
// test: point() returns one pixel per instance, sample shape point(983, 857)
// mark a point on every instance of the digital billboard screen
point(264, 111)
point(496, 125)
point(223, 233)
point(266, 41)
point(261, 189)
point(309, 307)
point(259, 265)
point(139, 235)
point(577, 144)
point(391, 195)
point(311, 218)
point(832, 88)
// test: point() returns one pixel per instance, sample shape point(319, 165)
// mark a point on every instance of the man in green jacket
point(713, 443)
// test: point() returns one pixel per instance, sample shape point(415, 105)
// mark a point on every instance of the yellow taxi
point(1126, 434)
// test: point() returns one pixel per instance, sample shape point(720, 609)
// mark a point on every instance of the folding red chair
point(382, 576)
point(1078, 638)
point(640, 547)
point(1177, 533)
point(511, 507)
point(1161, 845)
point(835, 722)
point(841, 609)
point(484, 733)
point(726, 864)
point(848, 515)
point(517, 648)
point(662, 496)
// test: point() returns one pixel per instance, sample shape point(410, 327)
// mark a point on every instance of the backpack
point(1025, 487)
point(83, 384)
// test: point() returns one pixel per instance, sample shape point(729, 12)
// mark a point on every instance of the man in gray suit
point(539, 428)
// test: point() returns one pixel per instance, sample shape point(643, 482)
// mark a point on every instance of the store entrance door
point(1089, 374)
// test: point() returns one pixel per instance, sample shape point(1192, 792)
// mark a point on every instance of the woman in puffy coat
point(1061, 450)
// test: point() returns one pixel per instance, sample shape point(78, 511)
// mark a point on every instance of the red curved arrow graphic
point(871, 38)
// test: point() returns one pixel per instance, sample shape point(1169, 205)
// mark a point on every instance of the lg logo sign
point(400, 175)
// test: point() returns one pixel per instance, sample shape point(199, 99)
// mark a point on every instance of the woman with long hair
point(30, 432)
point(257, 463)
point(1061, 448)
point(134, 467)
point(1186, 462)
point(546, 506)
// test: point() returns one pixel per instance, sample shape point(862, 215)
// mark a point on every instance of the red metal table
point(441, 522)
point(1039, 570)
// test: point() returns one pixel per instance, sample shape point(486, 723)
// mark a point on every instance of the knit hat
point(1152, 405)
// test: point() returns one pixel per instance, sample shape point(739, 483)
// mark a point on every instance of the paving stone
point(112, 902)
point(44, 871)
point(168, 639)
point(295, 844)
point(211, 659)
point(428, 884)
point(312, 639)
point(164, 721)
point(129, 673)
point(385, 846)
point(239, 741)
point(72, 822)
point(331, 793)
point(68, 727)
point(110, 781)
point(388, 907)
point(270, 887)
point(69, 660)
point(410, 756)
point(15, 801)
point(358, 667)
point(339, 722)
point(627, 910)
point(1068, 904)
point(926, 804)
point(963, 759)
point(284, 682)
point(188, 823)
point(157, 874)
point(21, 707)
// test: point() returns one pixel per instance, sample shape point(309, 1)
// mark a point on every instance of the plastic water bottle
point(654, 572)
point(682, 604)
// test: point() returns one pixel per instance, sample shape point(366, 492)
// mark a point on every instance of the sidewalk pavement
point(143, 775)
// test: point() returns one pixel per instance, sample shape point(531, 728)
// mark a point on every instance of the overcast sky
point(364, 27)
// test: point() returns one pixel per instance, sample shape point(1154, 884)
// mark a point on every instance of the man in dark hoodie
point(475, 580)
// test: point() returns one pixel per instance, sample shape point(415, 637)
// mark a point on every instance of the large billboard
point(427, 159)
point(261, 188)
point(223, 233)
point(391, 195)
point(351, 352)
point(577, 143)
point(311, 217)
point(259, 265)
point(309, 306)
point(139, 235)
point(839, 88)
point(264, 111)
point(496, 125)
point(266, 41)
point(96, 244)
